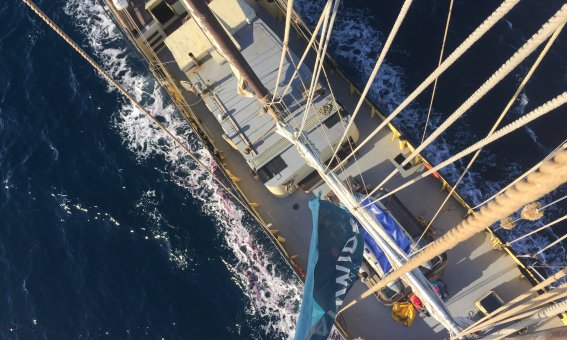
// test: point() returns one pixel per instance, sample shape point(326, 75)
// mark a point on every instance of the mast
point(205, 18)
point(415, 279)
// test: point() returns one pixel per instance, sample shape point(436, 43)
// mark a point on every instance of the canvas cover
point(391, 227)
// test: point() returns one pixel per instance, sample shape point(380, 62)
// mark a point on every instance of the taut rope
point(551, 175)
point(498, 14)
point(438, 64)
point(399, 20)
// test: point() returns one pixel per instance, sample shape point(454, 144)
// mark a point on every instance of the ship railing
point(205, 136)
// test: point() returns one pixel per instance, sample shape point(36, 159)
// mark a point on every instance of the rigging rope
point(550, 224)
point(314, 74)
point(313, 43)
point(326, 10)
point(512, 222)
point(285, 43)
point(552, 203)
point(551, 154)
point(551, 26)
point(526, 295)
point(495, 126)
point(284, 105)
point(502, 10)
point(318, 115)
point(399, 20)
point(298, 73)
point(438, 64)
point(551, 244)
point(325, 38)
point(350, 144)
point(525, 309)
point(107, 76)
point(548, 312)
point(526, 119)
point(551, 175)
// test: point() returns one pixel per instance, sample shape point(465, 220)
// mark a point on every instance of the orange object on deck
point(429, 167)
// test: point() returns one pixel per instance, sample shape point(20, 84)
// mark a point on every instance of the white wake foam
point(273, 298)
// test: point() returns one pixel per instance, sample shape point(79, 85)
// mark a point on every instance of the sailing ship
point(281, 134)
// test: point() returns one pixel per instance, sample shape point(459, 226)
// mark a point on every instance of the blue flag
point(391, 227)
point(335, 254)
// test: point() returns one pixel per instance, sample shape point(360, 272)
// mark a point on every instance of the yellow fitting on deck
point(497, 244)
point(395, 135)
point(281, 239)
point(564, 318)
point(232, 177)
point(274, 231)
point(253, 205)
point(293, 257)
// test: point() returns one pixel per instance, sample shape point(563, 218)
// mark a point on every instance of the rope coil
point(532, 212)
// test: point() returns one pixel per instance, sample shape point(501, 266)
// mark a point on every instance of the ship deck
point(474, 267)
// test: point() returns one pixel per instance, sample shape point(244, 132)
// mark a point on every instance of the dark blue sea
point(109, 231)
point(106, 229)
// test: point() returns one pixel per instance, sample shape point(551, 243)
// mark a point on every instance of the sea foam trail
point(273, 296)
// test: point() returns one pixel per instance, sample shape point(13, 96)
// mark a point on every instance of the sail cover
point(335, 254)
point(391, 227)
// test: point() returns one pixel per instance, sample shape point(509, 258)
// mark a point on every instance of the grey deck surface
point(473, 269)
point(245, 116)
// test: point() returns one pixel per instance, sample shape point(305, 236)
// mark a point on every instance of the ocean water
point(109, 231)
point(359, 32)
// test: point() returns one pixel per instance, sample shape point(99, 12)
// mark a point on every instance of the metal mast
point(415, 278)
point(205, 18)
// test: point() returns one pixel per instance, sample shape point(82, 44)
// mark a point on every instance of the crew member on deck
point(416, 302)
point(440, 288)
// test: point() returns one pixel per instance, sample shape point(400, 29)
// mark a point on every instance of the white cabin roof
point(189, 38)
point(261, 48)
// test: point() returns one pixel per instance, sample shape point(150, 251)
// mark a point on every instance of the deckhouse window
point(162, 12)
point(272, 168)
point(332, 121)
